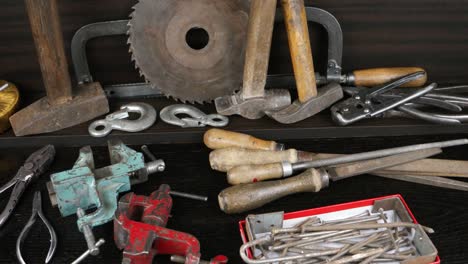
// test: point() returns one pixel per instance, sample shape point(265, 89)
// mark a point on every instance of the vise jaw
point(140, 230)
point(86, 187)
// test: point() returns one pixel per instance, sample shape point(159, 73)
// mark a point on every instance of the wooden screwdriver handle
point(228, 158)
point(245, 197)
point(254, 173)
point(379, 76)
point(217, 138)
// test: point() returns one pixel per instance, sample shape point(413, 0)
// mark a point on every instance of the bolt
point(88, 234)
point(88, 252)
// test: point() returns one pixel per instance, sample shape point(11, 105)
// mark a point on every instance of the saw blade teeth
point(140, 19)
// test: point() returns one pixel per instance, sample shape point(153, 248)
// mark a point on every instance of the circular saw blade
point(192, 50)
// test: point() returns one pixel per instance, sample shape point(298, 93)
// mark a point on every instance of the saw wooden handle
point(228, 158)
point(245, 197)
point(300, 48)
point(379, 76)
point(218, 138)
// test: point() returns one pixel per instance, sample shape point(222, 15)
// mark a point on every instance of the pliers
point(37, 211)
point(34, 166)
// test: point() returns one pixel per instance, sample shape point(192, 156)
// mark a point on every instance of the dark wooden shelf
point(320, 126)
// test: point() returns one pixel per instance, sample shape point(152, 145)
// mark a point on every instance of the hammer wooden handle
point(257, 55)
point(47, 32)
point(218, 138)
point(300, 48)
point(379, 76)
point(245, 197)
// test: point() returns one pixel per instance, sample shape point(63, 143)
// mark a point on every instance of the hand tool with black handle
point(245, 197)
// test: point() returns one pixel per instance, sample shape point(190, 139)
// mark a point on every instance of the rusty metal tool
point(430, 180)
point(62, 107)
point(195, 51)
point(140, 230)
point(227, 158)
point(245, 197)
point(37, 212)
point(216, 138)
point(310, 101)
point(286, 169)
point(368, 77)
point(9, 101)
point(368, 103)
point(253, 100)
point(36, 164)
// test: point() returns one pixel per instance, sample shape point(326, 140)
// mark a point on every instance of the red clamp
point(139, 229)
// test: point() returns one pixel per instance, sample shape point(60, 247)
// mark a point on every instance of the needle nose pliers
point(37, 211)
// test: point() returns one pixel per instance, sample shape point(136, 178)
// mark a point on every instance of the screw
point(88, 234)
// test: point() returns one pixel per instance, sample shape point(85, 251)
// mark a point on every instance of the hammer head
point(327, 96)
point(41, 117)
point(253, 108)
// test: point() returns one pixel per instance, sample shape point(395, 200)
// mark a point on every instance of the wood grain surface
point(427, 33)
point(188, 170)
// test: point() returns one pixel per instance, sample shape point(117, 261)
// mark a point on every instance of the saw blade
point(191, 50)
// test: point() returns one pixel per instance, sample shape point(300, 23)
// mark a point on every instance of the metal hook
point(197, 117)
point(118, 120)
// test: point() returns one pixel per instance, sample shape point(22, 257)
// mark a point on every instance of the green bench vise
point(84, 187)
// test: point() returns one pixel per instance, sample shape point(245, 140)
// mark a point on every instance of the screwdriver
point(253, 173)
point(245, 197)
point(218, 138)
point(148, 153)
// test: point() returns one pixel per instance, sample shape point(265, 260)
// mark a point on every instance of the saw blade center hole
point(197, 38)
